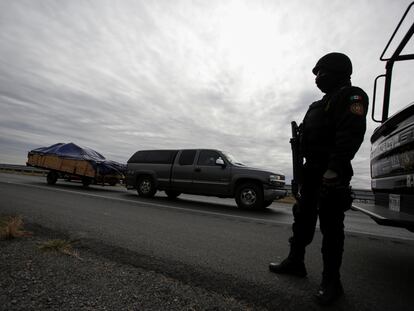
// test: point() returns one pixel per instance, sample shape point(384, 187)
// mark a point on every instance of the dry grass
point(288, 199)
point(59, 246)
point(12, 227)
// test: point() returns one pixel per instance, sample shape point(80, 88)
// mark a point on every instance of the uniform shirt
point(334, 128)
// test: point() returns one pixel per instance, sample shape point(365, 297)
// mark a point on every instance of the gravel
point(32, 279)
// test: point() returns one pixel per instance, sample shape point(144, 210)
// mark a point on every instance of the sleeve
point(350, 125)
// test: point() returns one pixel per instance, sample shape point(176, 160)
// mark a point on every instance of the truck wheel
point(52, 178)
point(249, 196)
point(146, 187)
point(172, 194)
point(267, 203)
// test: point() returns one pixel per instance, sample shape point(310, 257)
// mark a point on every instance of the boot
point(329, 292)
point(289, 266)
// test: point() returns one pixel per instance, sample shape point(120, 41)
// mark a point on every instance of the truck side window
point(153, 156)
point(187, 157)
point(208, 157)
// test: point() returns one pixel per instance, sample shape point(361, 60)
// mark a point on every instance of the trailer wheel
point(172, 194)
point(52, 178)
point(146, 187)
point(86, 181)
point(249, 195)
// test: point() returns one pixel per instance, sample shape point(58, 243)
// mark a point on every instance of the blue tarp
point(73, 151)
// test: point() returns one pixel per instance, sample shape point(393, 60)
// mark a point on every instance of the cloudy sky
point(120, 76)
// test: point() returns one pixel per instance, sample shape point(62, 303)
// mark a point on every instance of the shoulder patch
point(356, 98)
point(357, 108)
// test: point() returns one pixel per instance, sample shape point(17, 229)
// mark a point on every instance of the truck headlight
point(274, 178)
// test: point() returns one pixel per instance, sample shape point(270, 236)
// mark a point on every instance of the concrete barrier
point(360, 195)
point(22, 169)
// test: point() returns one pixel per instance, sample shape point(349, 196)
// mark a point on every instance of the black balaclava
point(332, 71)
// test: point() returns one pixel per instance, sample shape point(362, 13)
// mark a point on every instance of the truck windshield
point(232, 159)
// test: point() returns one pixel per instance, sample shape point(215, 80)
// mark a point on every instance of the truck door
point(183, 170)
point(209, 177)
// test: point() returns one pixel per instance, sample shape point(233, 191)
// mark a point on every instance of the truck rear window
point(154, 156)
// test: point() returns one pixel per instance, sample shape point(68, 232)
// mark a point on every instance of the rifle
point(297, 160)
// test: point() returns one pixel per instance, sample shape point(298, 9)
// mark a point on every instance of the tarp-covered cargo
point(75, 160)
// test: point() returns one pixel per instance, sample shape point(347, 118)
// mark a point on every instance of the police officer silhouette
point(332, 132)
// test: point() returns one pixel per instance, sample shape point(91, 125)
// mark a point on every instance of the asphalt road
point(209, 242)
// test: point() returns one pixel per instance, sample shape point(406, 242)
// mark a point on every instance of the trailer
point(72, 162)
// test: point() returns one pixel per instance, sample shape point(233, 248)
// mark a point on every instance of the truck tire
point(146, 187)
point(172, 194)
point(52, 177)
point(249, 195)
point(267, 203)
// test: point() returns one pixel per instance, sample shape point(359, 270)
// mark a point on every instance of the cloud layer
point(119, 76)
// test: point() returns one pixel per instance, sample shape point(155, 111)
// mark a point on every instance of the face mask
point(326, 82)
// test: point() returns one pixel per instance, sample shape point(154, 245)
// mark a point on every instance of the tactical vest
point(318, 129)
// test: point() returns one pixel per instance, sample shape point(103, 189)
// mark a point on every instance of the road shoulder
point(32, 279)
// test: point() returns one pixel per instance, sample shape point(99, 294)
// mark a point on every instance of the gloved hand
point(330, 179)
point(332, 188)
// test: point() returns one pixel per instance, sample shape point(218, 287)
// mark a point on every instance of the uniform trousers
point(330, 204)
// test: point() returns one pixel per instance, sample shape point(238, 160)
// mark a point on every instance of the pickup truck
point(202, 172)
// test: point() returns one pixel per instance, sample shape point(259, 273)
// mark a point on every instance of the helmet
point(335, 62)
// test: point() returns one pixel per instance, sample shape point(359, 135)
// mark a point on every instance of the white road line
point(147, 203)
